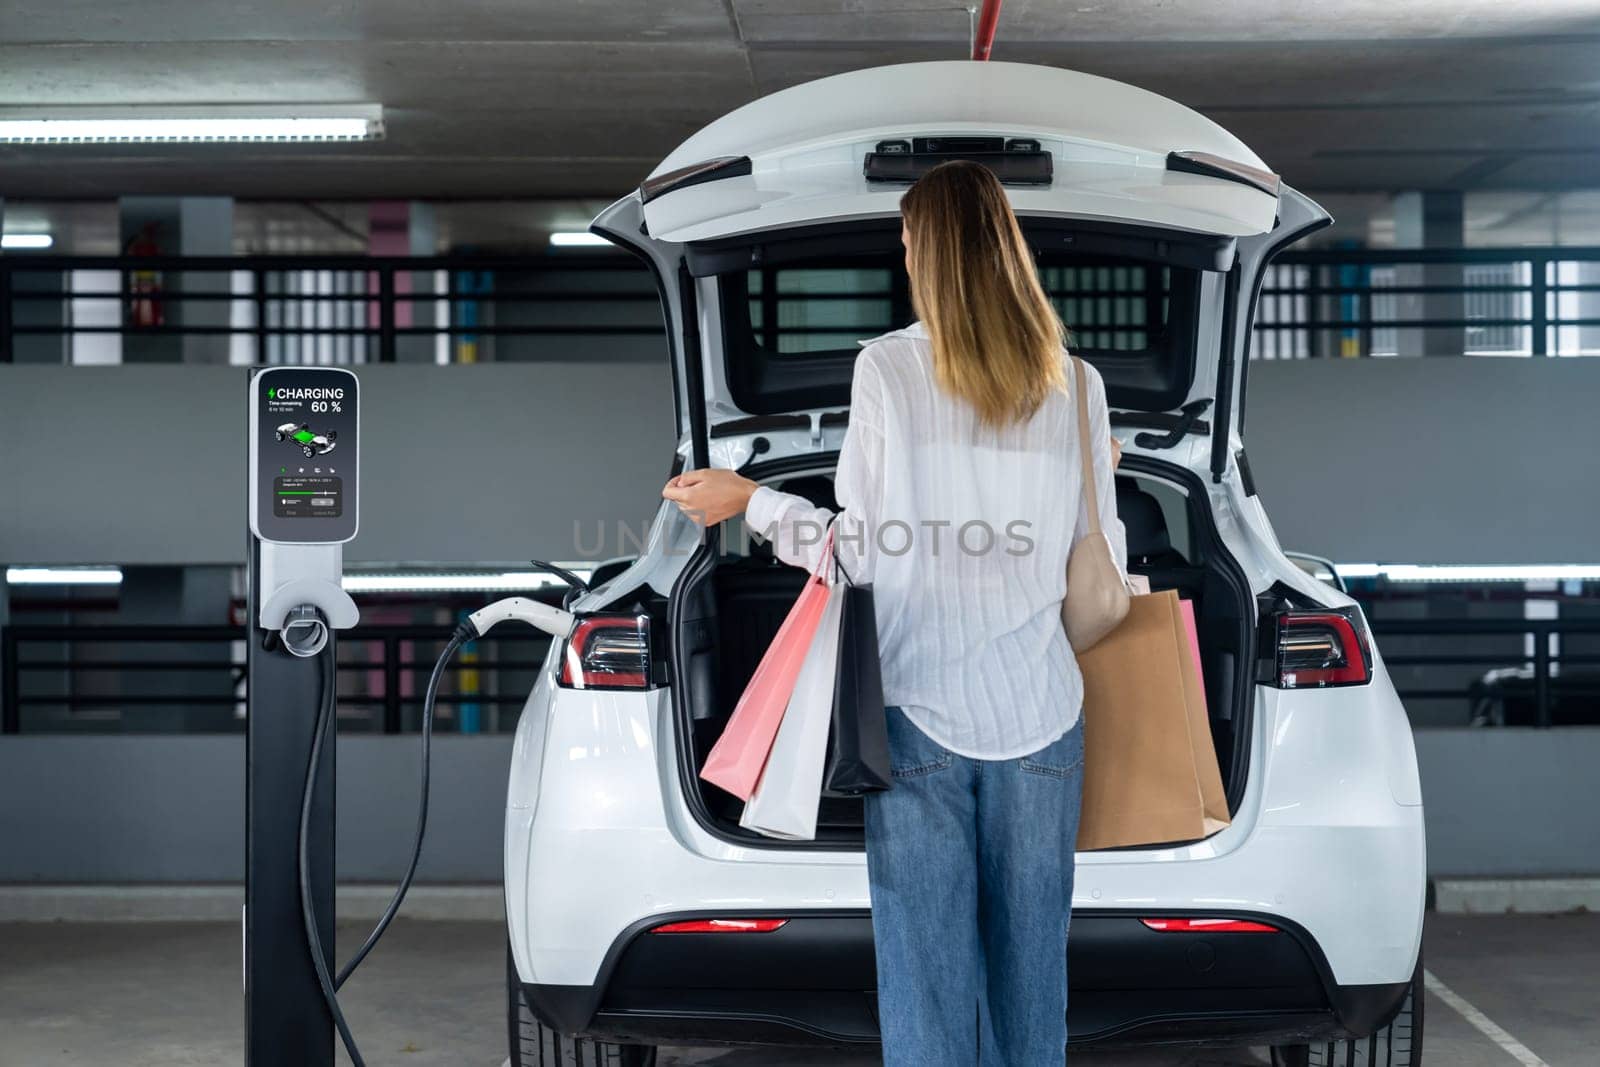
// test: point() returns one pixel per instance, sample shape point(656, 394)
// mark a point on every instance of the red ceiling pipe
point(988, 21)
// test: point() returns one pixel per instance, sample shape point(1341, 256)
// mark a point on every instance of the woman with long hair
point(960, 488)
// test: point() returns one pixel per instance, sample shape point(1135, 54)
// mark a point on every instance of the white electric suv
point(640, 914)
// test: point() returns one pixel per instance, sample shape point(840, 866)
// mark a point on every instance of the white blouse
point(963, 531)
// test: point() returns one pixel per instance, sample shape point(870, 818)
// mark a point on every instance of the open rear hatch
point(773, 233)
point(774, 237)
point(774, 230)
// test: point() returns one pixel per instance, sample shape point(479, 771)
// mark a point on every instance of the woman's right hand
point(710, 495)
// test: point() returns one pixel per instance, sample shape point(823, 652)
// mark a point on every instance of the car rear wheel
point(1397, 1045)
point(533, 1044)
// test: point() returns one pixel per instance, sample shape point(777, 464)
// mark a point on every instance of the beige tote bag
point(1097, 594)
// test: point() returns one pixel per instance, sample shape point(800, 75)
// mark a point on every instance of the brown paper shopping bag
point(1213, 800)
point(1150, 770)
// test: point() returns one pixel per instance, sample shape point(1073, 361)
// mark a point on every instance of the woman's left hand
point(710, 495)
point(1116, 452)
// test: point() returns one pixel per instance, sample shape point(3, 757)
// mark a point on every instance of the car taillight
point(1209, 926)
point(721, 926)
point(1322, 648)
point(607, 652)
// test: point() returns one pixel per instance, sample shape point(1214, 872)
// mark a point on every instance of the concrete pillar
point(168, 226)
point(408, 228)
point(1430, 219)
point(206, 229)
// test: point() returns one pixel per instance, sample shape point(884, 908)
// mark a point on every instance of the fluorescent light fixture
point(1539, 572)
point(197, 125)
point(578, 239)
point(63, 576)
point(1473, 572)
point(26, 240)
point(482, 582)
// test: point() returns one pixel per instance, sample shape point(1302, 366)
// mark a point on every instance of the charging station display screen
point(303, 454)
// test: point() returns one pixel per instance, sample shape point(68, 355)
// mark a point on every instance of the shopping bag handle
point(833, 550)
point(828, 550)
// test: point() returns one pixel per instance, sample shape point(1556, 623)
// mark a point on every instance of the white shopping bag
point(784, 804)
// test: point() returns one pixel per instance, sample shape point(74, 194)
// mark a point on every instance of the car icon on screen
point(311, 444)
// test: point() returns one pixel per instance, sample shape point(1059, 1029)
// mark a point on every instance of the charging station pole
point(286, 1020)
point(303, 507)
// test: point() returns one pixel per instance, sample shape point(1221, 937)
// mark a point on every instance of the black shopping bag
point(858, 738)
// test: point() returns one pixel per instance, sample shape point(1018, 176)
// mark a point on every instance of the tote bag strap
point(1090, 490)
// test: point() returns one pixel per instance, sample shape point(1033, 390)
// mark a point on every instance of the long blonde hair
point(997, 341)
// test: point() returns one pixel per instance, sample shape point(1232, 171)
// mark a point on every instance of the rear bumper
point(812, 982)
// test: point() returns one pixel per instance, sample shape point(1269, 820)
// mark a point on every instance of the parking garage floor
point(1507, 990)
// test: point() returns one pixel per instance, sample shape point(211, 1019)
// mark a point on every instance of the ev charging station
point(304, 485)
point(304, 506)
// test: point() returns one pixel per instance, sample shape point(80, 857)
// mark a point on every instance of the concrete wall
point(1405, 460)
point(165, 808)
point(1510, 802)
point(171, 809)
point(146, 464)
point(1418, 460)
point(1430, 460)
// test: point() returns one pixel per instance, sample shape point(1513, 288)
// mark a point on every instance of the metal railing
point(1542, 685)
point(1539, 683)
point(1443, 301)
point(390, 675)
point(1530, 301)
point(339, 309)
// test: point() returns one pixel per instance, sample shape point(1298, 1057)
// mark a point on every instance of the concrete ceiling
point(526, 99)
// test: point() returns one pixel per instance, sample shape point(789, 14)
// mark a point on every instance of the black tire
point(1397, 1045)
point(533, 1044)
point(308, 450)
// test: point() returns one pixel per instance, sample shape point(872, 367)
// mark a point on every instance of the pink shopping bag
point(786, 799)
point(1193, 631)
point(736, 760)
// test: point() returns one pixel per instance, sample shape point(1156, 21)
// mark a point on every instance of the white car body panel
point(1110, 142)
point(770, 200)
point(599, 836)
point(1332, 789)
point(609, 756)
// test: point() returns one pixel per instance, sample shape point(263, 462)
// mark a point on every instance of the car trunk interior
point(730, 612)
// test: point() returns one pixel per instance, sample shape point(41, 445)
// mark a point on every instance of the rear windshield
point(791, 329)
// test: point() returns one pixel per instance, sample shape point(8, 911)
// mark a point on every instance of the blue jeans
point(970, 864)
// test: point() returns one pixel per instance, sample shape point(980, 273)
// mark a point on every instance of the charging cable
point(319, 953)
point(553, 621)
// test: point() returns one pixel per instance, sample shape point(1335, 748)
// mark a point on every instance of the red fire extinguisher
point(144, 286)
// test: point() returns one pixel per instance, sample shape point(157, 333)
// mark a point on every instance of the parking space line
point(1481, 1022)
